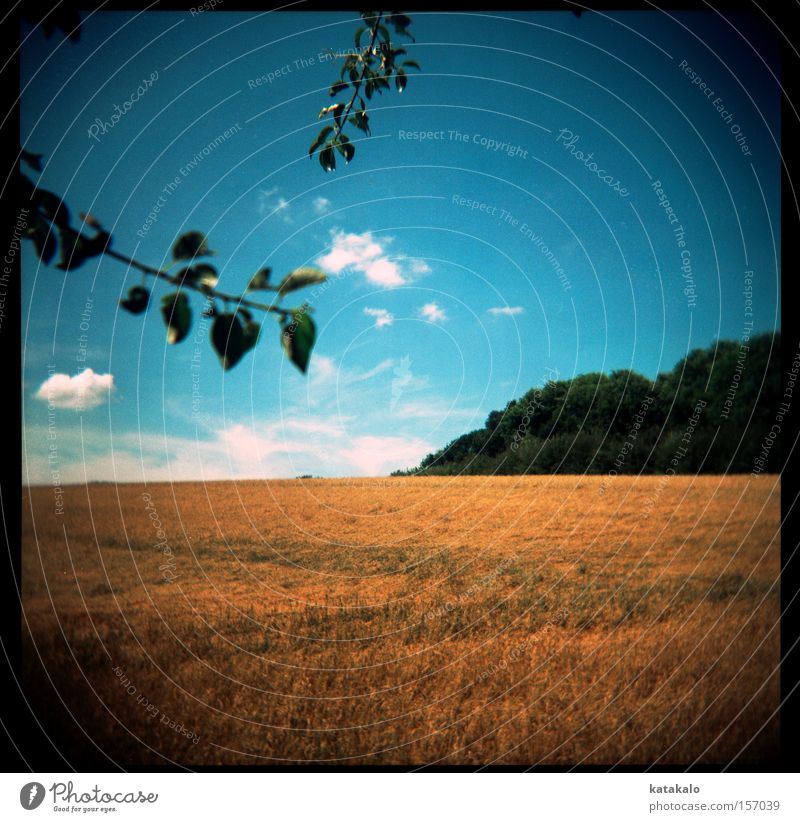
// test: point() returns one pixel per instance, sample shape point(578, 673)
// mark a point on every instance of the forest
point(713, 413)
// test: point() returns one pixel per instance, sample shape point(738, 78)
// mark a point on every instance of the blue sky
point(464, 268)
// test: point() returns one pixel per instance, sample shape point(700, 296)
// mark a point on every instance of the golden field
point(404, 621)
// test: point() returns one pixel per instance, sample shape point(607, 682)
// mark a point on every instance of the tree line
point(709, 414)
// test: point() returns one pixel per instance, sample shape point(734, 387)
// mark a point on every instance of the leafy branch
point(368, 70)
point(234, 331)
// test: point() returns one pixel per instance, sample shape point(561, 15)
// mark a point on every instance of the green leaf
point(91, 221)
point(357, 36)
point(177, 316)
point(301, 278)
point(337, 87)
point(67, 21)
point(297, 338)
point(52, 206)
point(190, 245)
point(412, 64)
point(260, 280)
point(207, 276)
point(360, 120)
point(400, 80)
point(26, 190)
point(327, 159)
point(346, 148)
point(43, 237)
point(348, 65)
point(250, 334)
point(227, 337)
point(77, 249)
point(399, 21)
point(200, 274)
point(384, 33)
point(320, 139)
point(33, 160)
point(137, 300)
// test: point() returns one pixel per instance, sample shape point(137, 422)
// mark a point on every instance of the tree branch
point(209, 292)
point(338, 129)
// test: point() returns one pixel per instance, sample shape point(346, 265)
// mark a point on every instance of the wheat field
point(406, 621)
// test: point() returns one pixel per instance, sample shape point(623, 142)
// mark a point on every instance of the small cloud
point(321, 205)
point(506, 311)
point(325, 372)
point(79, 393)
point(361, 376)
point(363, 253)
point(384, 272)
point(420, 267)
point(383, 318)
point(436, 412)
point(355, 250)
point(432, 313)
point(270, 202)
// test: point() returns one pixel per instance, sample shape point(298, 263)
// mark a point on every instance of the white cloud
point(332, 428)
point(322, 372)
point(326, 376)
point(270, 202)
point(360, 376)
point(355, 250)
point(272, 448)
point(338, 422)
point(506, 311)
point(341, 423)
point(380, 455)
point(79, 393)
point(437, 412)
point(420, 267)
point(432, 313)
point(384, 272)
point(362, 253)
point(321, 205)
point(278, 450)
point(383, 317)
